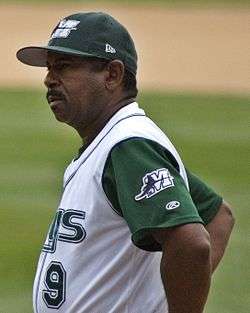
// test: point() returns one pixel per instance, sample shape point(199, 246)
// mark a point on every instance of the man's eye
point(62, 66)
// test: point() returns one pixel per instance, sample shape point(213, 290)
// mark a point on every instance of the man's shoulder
point(130, 121)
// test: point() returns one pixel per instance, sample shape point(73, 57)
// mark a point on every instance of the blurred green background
point(211, 132)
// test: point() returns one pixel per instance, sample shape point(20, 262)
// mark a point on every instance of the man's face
point(76, 93)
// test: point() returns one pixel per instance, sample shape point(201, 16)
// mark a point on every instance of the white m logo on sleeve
point(154, 182)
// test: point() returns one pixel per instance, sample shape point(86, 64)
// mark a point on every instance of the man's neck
point(96, 129)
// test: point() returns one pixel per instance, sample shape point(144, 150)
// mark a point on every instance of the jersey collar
point(127, 111)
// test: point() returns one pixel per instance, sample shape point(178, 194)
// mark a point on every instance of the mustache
point(55, 94)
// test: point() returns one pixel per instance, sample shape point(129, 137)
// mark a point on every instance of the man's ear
point(115, 73)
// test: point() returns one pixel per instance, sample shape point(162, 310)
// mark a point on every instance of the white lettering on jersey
point(66, 226)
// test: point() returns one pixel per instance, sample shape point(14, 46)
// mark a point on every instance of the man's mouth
point(54, 103)
point(54, 97)
point(55, 100)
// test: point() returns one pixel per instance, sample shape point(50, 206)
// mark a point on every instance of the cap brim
point(37, 56)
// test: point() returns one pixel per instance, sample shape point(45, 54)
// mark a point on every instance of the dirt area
point(179, 49)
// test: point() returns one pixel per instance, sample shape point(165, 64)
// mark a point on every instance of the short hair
point(130, 84)
point(129, 79)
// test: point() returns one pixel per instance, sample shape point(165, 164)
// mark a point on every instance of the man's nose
point(51, 80)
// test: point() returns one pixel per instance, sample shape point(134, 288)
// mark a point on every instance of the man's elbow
point(194, 242)
point(202, 248)
point(228, 214)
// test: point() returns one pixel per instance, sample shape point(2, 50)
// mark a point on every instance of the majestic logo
point(154, 182)
point(64, 28)
point(66, 226)
point(172, 205)
point(109, 48)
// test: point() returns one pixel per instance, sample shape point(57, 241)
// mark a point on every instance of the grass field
point(212, 134)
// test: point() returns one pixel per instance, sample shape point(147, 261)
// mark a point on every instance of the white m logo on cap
point(64, 28)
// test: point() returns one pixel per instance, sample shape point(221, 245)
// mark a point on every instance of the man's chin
point(58, 113)
point(60, 119)
point(60, 116)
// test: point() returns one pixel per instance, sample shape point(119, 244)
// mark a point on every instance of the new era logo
point(109, 49)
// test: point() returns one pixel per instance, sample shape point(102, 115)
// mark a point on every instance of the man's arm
point(215, 213)
point(185, 266)
point(219, 230)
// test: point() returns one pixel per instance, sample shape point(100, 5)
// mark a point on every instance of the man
point(134, 231)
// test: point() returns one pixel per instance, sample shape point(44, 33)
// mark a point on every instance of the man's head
point(91, 61)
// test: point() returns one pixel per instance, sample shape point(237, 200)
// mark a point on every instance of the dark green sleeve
point(142, 181)
point(204, 197)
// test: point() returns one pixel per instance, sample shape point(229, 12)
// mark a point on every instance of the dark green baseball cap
point(92, 34)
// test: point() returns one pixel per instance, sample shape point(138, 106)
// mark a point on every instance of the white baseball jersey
point(88, 263)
